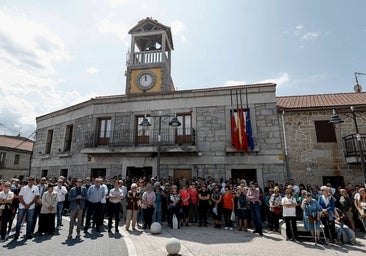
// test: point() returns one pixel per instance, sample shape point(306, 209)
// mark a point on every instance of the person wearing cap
point(28, 196)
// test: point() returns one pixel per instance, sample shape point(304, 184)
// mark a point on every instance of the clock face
point(145, 80)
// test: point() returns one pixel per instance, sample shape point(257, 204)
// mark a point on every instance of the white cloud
point(235, 82)
point(299, 27)
point(305, 36)
point(177, 27)
point(116, 3)
point(280, 81)
point(92, 70)
point(29, 52)
point(115, 29)
point(309, 36)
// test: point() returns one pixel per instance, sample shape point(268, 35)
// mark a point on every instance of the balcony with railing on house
point(175, 140)
point(147, 57)
point(351, 148)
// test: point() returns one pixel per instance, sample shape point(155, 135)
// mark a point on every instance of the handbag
point(311, 220)
point(277, 210)
point(214, 210)
point(232, 217)
point(175, 222)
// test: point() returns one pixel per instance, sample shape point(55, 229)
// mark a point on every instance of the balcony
point(127, 141)
point(147, 57)
point(351, 151)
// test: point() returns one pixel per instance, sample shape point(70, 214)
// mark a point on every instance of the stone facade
point(211, 154)
point(315, 163)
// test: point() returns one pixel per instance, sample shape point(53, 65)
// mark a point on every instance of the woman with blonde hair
point(133, 202)
point(361, 206)
point(289, 203)
point(174, 206)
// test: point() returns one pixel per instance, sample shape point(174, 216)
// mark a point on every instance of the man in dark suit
point(77, 197)
point(42, 187)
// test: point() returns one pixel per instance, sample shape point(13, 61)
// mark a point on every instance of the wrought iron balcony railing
point(351, 146)
point(150, 137)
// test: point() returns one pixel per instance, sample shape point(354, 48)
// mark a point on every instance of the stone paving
point(194, 241)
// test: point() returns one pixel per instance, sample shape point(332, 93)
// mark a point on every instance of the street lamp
point(173, 123)
point(336, 120)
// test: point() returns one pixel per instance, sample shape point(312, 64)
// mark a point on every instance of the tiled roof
point(321, 101)
point(16, 142)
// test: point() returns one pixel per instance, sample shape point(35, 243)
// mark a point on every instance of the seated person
point(343, 232)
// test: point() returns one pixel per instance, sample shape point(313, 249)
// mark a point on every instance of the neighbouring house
point(318, 151)
point(15, 156)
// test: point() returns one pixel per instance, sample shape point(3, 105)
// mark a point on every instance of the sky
point(54, 54)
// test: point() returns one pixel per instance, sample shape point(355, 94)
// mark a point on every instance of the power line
point(3, 125)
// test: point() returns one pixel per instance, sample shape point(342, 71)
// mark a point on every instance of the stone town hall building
point(154, 130)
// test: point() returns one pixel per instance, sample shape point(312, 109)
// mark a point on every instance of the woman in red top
point(193, 207)
point(228, 206)
point(184, 197)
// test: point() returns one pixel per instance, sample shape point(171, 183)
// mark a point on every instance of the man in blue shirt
point(95, 195)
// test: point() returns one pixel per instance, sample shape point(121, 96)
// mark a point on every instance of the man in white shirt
point(115, 196)
point(28, 195)
point(61, 191)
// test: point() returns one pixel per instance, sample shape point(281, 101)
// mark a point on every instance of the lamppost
point(173, 123)
point(336, 120)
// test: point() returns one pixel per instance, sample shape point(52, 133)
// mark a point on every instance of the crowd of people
point(179, 202)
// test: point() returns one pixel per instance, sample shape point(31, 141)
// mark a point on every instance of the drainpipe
point(287, 165)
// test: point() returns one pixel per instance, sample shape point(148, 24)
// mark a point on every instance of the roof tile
point(320, 101)
point(16, 142)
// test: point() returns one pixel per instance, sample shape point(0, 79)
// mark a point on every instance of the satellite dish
point(357, 88)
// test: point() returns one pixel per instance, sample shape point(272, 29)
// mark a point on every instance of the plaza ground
point(194, 241)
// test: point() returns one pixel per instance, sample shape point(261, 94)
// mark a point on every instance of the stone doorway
point(247, 174)
point(139, 172)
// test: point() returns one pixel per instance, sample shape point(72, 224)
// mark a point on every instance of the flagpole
point(234, 137)
point(249, 124)
point(240, 146)
point(242, 125)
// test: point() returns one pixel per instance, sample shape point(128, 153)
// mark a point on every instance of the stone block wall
point(309, 160)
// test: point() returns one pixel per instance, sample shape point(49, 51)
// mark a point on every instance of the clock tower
point(149, 61)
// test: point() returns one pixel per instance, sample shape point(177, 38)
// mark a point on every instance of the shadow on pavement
point(73, 241)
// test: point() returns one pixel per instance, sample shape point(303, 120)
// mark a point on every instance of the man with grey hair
point(95, 195)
